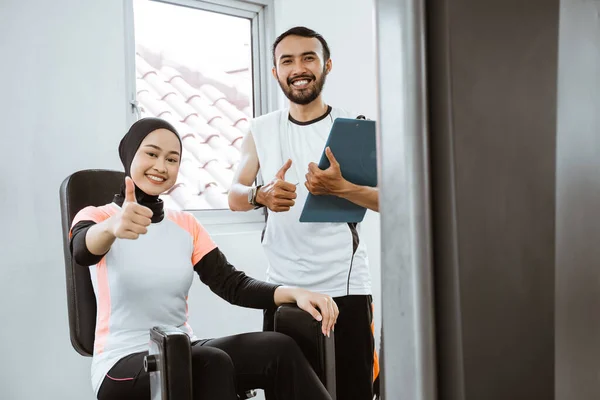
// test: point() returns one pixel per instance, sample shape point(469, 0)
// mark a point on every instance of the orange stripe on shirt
point(187, 318)
point(203, 243)
point(103, 314)
point(97, 215)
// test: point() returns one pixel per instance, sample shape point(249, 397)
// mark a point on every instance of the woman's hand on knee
point(321, 306)
point(327, 307)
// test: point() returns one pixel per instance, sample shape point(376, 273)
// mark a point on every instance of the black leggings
point(223, 367)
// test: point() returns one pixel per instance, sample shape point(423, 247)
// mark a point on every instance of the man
point(327, 258)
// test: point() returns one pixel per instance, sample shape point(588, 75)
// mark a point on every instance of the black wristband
point(254, 202)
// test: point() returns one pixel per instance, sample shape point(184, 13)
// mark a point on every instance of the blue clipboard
point(354, 145)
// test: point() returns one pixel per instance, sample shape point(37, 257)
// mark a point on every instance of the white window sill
point(227, 222)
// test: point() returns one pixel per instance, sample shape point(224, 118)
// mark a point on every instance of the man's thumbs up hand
point(278, 195)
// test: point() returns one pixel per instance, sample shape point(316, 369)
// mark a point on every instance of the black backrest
point(94, 187)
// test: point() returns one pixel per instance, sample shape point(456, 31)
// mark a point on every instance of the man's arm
point(244, 177)
point(364, 196)
point(277, 195)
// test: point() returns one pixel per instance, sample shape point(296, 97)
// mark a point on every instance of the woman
point(142, 258)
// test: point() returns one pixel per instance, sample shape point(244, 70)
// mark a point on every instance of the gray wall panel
point(408, 335)
point(493, 128)
point(578, 203)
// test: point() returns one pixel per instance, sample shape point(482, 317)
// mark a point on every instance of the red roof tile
point(211, 112)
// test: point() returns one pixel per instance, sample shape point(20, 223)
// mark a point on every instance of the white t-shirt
point(328, 258)
point(142, 283)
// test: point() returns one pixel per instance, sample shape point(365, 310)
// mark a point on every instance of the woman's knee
point(283, 345)
point(213, 359)
point(213, 374)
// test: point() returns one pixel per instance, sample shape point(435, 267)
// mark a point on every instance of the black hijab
point(128, 147)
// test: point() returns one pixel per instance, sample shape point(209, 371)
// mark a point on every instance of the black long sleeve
point(232, 285)
point(79, 250)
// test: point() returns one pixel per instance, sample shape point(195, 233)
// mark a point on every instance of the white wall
point(63, 105)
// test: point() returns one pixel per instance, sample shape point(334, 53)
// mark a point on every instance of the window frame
point(262, 22)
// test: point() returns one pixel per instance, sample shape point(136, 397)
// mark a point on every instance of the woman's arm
point(100, 237)
point(237, 288)
point(232, 285)
point(90, 242)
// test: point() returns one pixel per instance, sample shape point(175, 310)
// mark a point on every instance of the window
point(197, 66)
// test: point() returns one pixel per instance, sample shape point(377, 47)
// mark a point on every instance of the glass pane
point(194, 69)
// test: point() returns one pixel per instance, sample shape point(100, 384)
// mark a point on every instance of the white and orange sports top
point(142, 283)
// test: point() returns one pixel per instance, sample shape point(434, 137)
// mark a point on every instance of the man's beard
point(304, 96)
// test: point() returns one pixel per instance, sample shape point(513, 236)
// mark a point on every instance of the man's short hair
point(304, 32)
